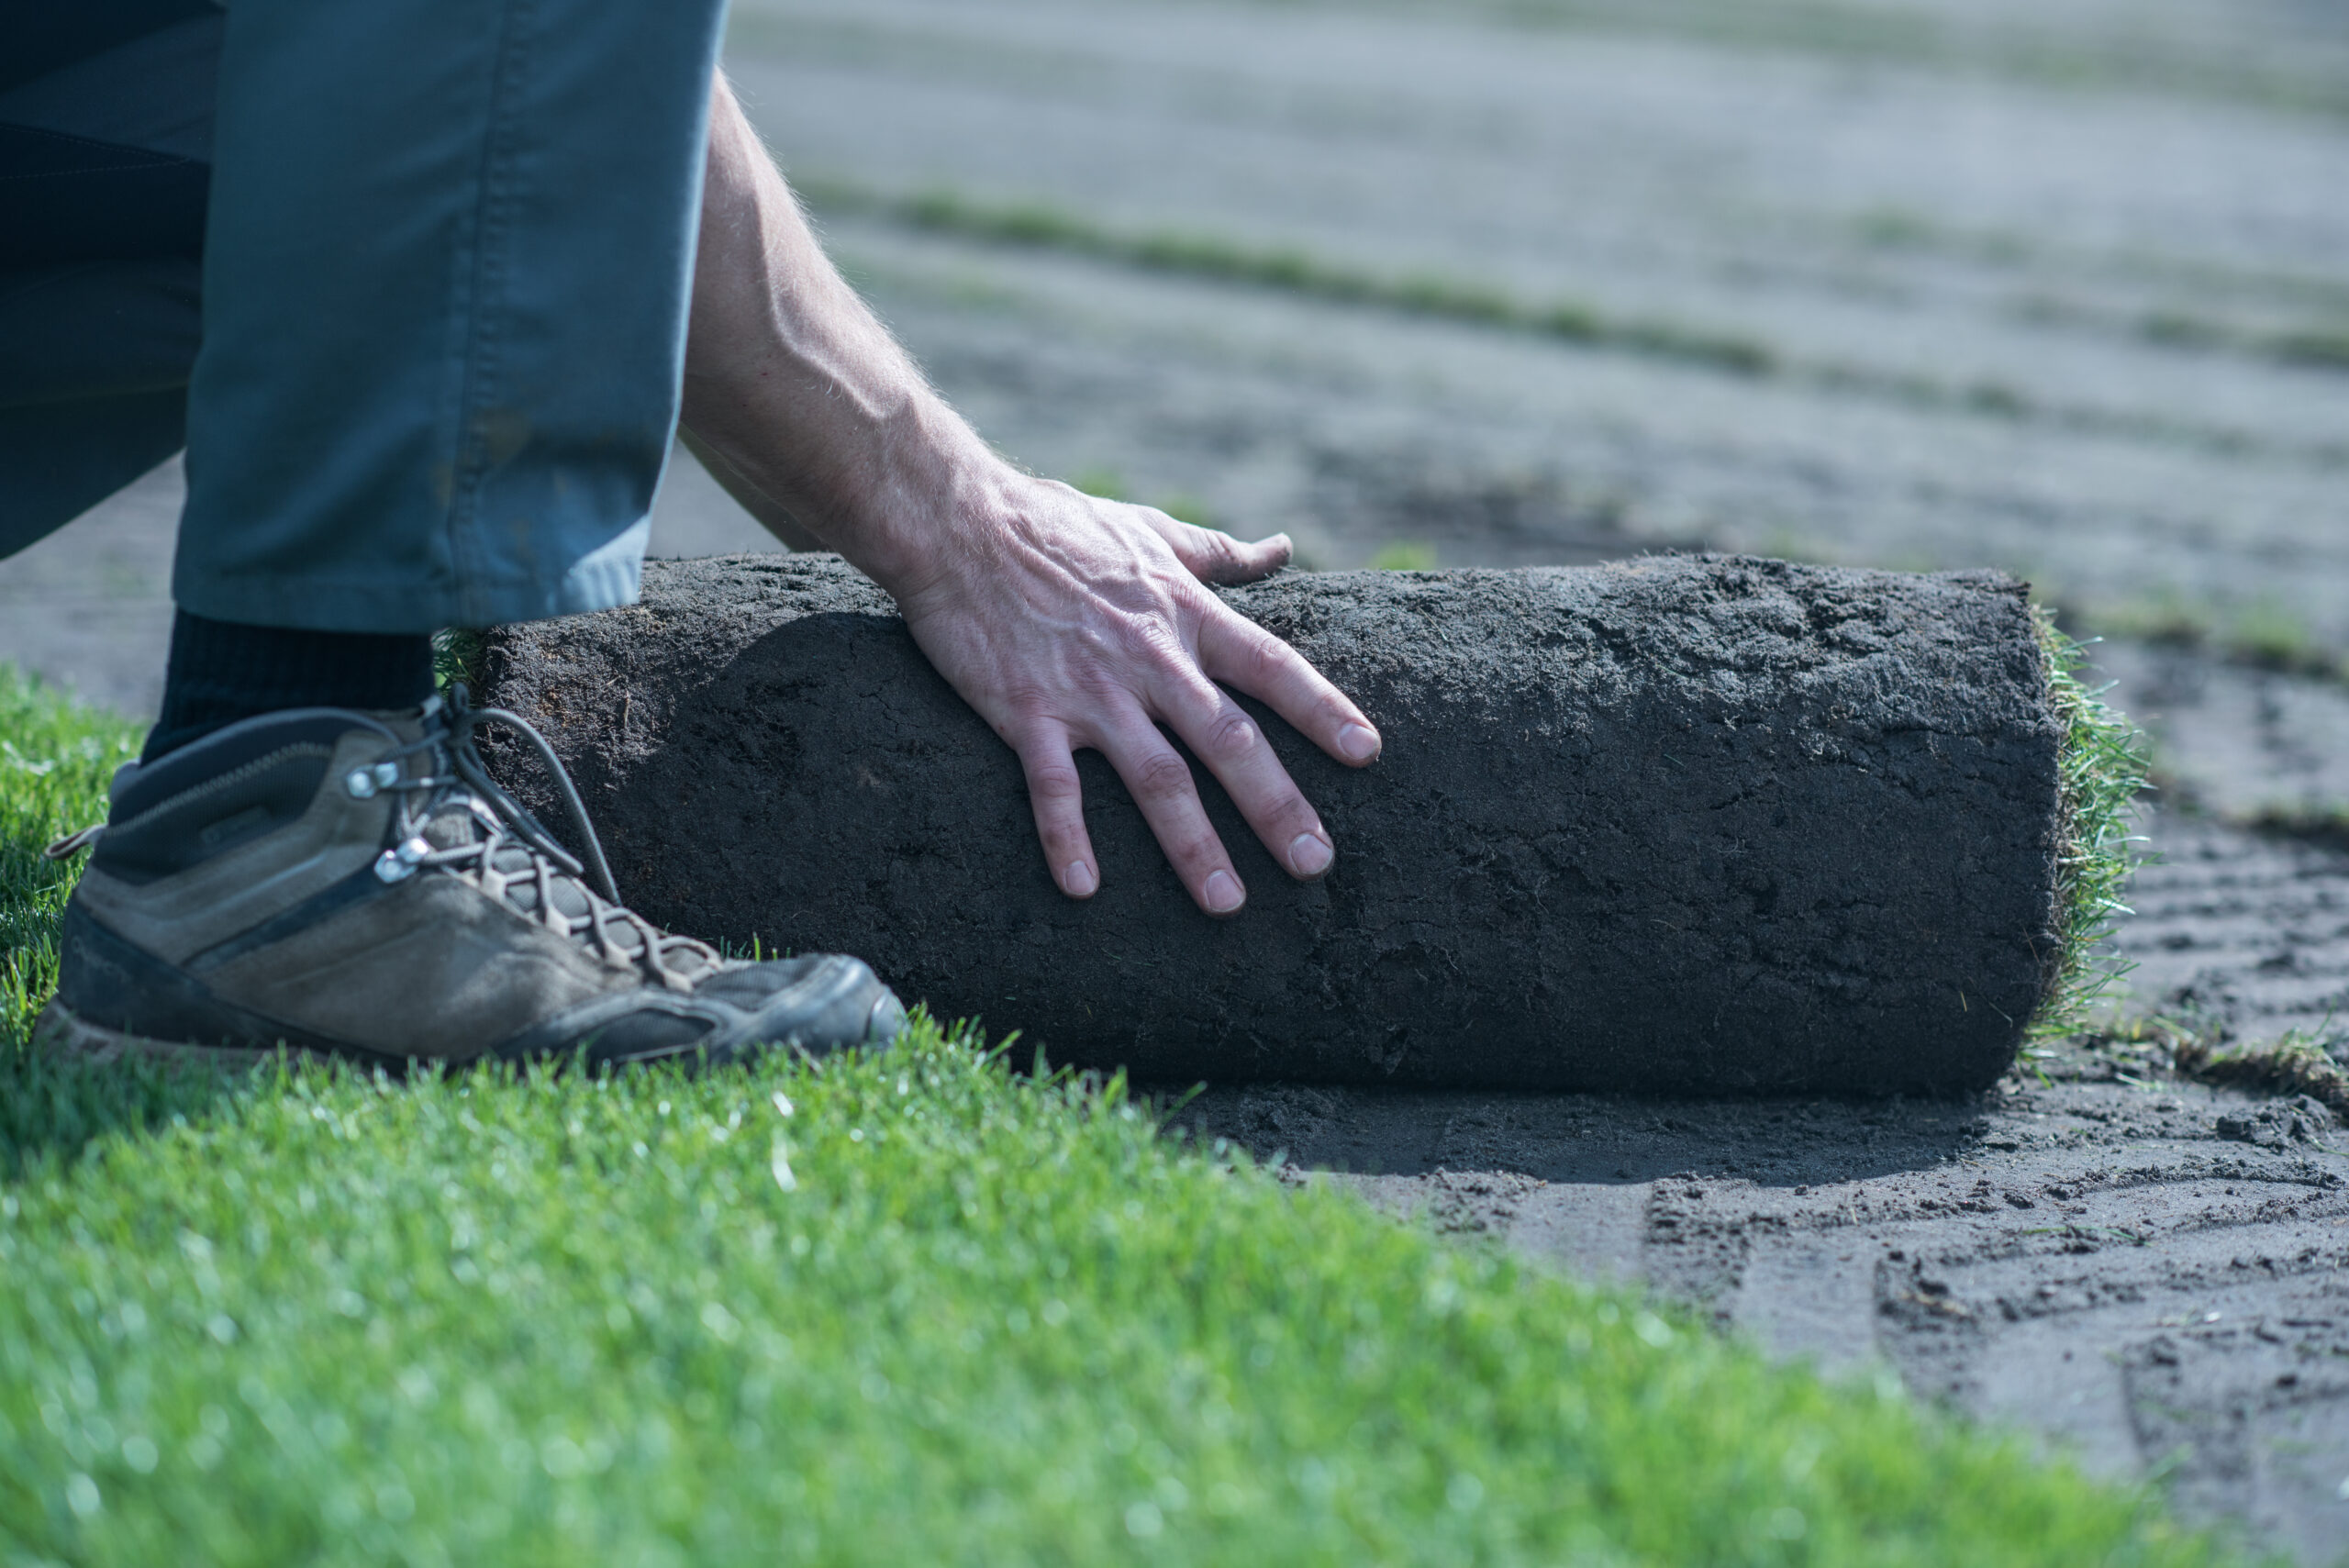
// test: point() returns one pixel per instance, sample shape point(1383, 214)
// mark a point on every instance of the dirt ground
point(2061, 290)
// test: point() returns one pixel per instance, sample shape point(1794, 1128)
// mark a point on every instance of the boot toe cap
point(827, 1002)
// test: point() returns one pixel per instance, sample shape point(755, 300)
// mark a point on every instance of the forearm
point(794, 387)
point(769, 513)
point(1067, 621)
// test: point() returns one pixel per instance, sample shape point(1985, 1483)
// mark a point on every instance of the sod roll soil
point(1686, 824)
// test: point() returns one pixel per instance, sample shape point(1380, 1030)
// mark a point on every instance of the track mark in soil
point(2237, 930)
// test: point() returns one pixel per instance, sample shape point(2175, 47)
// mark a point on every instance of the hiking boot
point(356, 885)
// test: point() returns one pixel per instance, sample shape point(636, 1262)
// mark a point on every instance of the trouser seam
point(486, 304)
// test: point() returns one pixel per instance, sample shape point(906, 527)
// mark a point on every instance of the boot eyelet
point(400, 863)
point(365, 783)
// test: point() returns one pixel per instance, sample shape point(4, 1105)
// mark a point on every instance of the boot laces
point(454, 816)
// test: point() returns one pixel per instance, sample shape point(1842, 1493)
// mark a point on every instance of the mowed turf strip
point(909, 1307)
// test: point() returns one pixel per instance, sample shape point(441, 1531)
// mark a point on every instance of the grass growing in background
point(1295, 270)
point(2263, 634)
point(2101, 771)
point(2297, 1061)
point(1404, 555)
point(456, 656)
point(2325, 824)
point(55, 761)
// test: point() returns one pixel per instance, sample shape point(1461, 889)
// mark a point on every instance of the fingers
point(1215, 557)
point(1162, 785)
point(1103, 632)
point(1058, 800)
point(1246, 657)
point(1229, 742)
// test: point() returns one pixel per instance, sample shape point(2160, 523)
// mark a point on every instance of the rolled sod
point(1685, 824)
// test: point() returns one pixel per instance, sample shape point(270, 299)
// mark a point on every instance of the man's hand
point(1065, 621)
point(1070, 622)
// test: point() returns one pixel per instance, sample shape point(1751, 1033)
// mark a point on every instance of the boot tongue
point(451, 826)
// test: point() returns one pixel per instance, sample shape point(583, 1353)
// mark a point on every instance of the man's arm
point(1065, 621)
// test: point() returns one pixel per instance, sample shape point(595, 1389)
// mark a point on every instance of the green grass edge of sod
point(2101, 765)
point(907, 1307)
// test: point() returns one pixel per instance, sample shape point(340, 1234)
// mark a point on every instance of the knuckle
point(1053, 781)
point(1258, 657)
point(1161, 775)
point(1161, 638)
point(1283, 822)
point(1268, 657)
point(1232, 736)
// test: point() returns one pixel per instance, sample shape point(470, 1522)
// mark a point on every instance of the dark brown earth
point(1696, 823)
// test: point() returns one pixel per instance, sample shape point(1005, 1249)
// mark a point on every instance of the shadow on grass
point(52, 1110)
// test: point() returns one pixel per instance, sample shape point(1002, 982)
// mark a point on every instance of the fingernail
point(1078, 879)
point(1358, 742)
point(1310, 854)
point(1223, 893)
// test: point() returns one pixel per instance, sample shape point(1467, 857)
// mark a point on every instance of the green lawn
point(905, 1309)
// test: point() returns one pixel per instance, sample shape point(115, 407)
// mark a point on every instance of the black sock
point(222, 671)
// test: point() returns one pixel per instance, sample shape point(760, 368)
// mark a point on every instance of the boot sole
point(62, 1034)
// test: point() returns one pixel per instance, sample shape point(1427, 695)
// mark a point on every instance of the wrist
point(932, 498)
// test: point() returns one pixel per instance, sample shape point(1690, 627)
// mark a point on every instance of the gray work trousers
point(409, 279)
